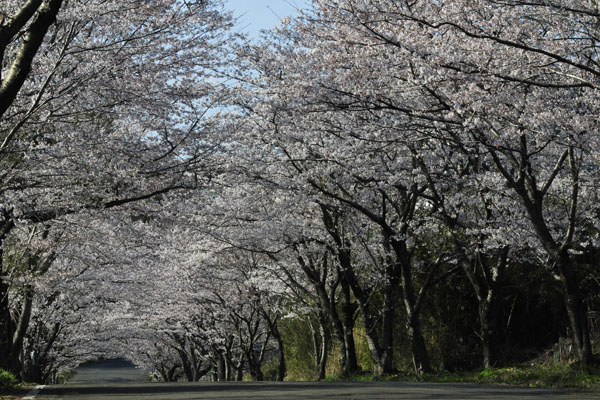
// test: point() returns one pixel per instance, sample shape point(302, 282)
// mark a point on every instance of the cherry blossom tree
point(526, 93)
point(382, 106)
point(104, 104)
point(327, 132)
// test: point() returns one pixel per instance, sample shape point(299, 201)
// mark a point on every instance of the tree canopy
point(357, 190)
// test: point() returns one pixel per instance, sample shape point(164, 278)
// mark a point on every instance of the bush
point(7, 379)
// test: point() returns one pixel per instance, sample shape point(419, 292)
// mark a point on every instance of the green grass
point(548, 376)
point(555, 376)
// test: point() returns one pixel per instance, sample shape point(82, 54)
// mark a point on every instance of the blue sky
point(262, 14)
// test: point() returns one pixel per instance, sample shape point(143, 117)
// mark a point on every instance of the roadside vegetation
point(553, 367)
point(10, 388)
point(559, 376)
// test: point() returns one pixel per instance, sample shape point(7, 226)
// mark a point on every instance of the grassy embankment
point(563, 376)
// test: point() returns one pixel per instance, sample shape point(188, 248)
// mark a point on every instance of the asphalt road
point(117, 380)
point(108, 372)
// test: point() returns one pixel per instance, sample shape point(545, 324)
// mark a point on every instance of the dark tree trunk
point(340, 334)
point(272, 323)
point(31, 371)
point(281, 365)
point(491, 334)
point(487, 286)
point(221, 367)
point(375, 349)
point(412, 304)
point(240, 369)
point(172, 373)
point(185, 364)
point(325, 345)
point(35, 363)
point(369, 320)
point(387, 326)
point(321, 343)
point(417, 343)
point(7, 326)
point(576, 311)
point(350, 364)
point(327, 300)
point(254, 368)
point(381, 366)
point(202, 372)
point(20, 330)
point(163, 375)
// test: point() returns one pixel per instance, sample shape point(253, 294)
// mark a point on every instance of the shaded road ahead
point(108, 371)
point(118, 380)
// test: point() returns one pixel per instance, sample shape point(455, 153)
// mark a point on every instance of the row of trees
point(384, 173)
point(104, 105)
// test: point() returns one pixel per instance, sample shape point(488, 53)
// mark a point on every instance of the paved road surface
point(117, 380)
point(108, 371)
